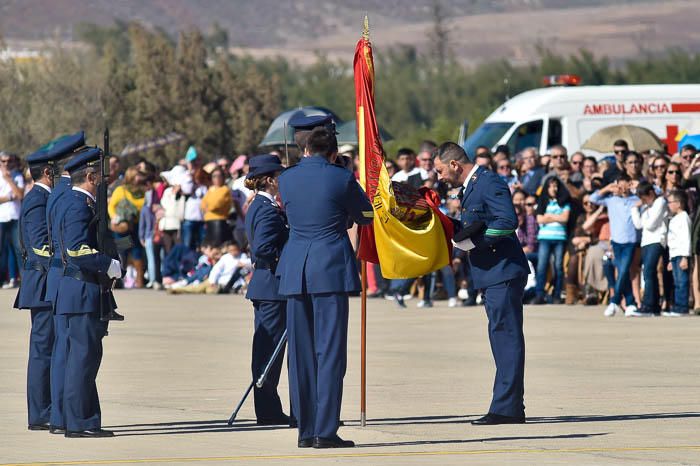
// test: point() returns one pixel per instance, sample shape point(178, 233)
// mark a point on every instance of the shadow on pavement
point(479, 440)
point(188, 427)
point(194, 427)
point(466, 418)
point(611, 417)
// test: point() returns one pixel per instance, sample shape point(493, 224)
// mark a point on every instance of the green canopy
point(347, 133)
point(275, 134)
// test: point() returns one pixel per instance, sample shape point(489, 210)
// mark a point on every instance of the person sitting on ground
point(227, 274)
point(209, 254)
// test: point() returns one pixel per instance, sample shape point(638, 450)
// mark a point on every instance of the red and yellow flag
point(410, 237)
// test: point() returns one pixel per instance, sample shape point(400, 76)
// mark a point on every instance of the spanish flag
point(410, 237)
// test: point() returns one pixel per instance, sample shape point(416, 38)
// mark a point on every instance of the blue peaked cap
point(84, 158)
point(302, 122)
point(57, 149)
point(263, 165)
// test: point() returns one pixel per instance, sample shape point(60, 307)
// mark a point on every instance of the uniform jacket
point(35, 245)
point(56, 268)
point(78, 247)
point(320, 199)
point(266, 227)
point(497, 256)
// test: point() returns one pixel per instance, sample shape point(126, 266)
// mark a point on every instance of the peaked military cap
point(263, 165)
point(57, 149)
point(86, 158)
point(302, 122)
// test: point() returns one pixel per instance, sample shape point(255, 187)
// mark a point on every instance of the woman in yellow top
point(124, 211)
point(216, 205)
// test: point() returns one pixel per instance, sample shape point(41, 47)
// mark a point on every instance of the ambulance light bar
point(561, 80)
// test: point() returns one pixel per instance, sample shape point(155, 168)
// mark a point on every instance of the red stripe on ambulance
point(685, 108)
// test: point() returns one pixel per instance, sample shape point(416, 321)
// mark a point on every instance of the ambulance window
point(554, 133)
point(527, 135)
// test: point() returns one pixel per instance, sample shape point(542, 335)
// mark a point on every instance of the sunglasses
point(4, 160)
point(673, 172)
point(504, 167)
point(620, 151)
point(530, 204)
point(576, 162)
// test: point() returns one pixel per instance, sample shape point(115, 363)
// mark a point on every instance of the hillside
point(480, 29)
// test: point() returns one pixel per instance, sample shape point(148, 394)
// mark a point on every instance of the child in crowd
point(209, 256)
point(227, 273)
point(679, 252)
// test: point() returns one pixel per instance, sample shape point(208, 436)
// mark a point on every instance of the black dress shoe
point(293, 423)
point(495, 419)
point(44, 426)
point(57, 430)
point(90, 433)
point(305, 442)
point(282, 420)
point(335, 442)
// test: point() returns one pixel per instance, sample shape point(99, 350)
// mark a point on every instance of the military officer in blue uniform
point(77, 298)
point(62, 148)
point(34, 241)
point(499, 268)
point(317, 270)
point(266, 227)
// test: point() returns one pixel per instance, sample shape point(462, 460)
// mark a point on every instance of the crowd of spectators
point(621, 231)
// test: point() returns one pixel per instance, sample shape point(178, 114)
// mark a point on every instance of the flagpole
point(363, 349)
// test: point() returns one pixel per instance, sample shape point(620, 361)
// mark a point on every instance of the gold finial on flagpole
point(365, 28)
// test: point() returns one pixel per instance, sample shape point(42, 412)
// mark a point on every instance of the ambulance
point(566, 113)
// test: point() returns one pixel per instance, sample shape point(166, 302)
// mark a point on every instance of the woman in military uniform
point(266, 227)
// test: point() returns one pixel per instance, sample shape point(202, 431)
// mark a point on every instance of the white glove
point(464, 245)
point(115, 269)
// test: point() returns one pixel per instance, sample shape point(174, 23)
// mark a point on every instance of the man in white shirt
point(11, 194)
point(408, 173)
point(650, 215)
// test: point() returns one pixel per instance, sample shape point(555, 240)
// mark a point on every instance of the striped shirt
point(554, 231)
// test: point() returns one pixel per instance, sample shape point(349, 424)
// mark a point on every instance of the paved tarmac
point(598, 390)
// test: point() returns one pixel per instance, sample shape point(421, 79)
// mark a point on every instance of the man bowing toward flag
point(487, 231)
